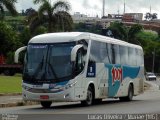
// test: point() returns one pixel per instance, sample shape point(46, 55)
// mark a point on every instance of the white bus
point(77, 66)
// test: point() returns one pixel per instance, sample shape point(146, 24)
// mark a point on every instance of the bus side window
point(132, 56)
point(109, 54)
point(139, 54)
point(124, 55)
point(113, 53)
point(117, 54)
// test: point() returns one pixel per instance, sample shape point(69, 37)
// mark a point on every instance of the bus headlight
point(70, 85)
point(26, 87)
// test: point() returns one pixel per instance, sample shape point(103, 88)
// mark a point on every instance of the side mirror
point(16, 55)
point(74, 52)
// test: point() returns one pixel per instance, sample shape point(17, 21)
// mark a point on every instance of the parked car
point(150, 76)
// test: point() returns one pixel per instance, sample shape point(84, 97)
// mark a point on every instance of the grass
point(11, 84)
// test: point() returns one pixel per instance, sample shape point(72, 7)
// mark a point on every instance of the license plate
point(44, 97)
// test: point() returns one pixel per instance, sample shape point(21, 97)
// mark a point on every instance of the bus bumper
point(66, 95)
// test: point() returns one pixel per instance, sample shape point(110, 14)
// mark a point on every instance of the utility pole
point(154, 52)
point(124, 7)
point(103, 7)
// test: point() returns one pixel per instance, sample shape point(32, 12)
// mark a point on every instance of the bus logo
point(116, 75)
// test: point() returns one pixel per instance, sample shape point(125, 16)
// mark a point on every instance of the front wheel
point(46, 104)
point(89, 100)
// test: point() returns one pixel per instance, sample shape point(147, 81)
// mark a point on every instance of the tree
point(9, 40)
point(150, 16)
point(9, 4)
point(133, 31)
point(55, 18)
point(120, 31)
point(154, 16)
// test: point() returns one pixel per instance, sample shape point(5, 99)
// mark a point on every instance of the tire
point(46, 104)
point(90, 98)
point(6, 72)
point(129, 97)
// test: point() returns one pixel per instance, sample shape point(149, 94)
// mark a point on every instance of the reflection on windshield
point(59, 61)
point(48, 63)
point(35, 59)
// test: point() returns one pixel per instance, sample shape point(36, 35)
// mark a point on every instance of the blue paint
point(131, 72)
point(127, 71)
point(62, 83)
point(91, 70)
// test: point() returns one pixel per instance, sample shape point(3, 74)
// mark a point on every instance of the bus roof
point(75, 36)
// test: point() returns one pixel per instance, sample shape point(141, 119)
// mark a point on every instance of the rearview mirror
point(16, 55)
point(74, 52)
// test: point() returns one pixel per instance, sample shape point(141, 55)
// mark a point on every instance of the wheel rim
point(89, 97)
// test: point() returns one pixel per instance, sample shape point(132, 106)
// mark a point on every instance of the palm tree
point(9, 5)
point(55, 17)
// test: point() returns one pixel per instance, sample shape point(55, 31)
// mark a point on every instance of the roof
point(75, 36)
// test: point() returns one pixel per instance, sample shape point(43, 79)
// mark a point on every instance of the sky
point(93, 8)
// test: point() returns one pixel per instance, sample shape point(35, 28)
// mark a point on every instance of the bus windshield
point(48, 63)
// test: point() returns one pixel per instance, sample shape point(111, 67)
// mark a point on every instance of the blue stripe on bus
point(114, 84)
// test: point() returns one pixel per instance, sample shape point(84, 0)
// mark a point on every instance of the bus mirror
point(74, 52)
point(16, 55)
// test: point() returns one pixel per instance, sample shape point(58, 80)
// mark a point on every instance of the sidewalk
point(13, 100)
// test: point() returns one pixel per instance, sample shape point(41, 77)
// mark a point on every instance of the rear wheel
point(89, 100)
point(46, 104)
point(129, 97)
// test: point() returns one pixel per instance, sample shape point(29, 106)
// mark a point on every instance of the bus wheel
point(130, 93)
point(89, 100)
point(46, 104)
point(129, 97)
point(6, 72)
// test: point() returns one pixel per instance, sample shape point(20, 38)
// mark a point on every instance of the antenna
point(103, 7)
point(124, 7)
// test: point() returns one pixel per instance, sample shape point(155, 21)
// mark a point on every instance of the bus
point(79, 66)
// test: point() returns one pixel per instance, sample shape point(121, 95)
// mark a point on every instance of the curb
point(23, 103)
point(10, 94)
point(147, 86)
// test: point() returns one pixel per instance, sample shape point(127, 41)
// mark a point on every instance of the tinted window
point(124, 54)
point(99, 52)
point(132, 56)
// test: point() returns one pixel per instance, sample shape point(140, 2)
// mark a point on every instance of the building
point(82, 18)
point(132, 17)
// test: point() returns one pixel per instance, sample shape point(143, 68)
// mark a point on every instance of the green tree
point(126, 33)
point(149, 42)
point(9, 40)
point(9, 4)
point(55, 17)
point(132, 32)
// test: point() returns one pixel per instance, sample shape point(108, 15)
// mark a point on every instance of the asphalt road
point(147, 103)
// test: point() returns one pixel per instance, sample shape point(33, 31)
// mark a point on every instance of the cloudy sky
point(94, 7)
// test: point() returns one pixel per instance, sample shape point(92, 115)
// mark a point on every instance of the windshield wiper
point(39, 68)
point(53, 71)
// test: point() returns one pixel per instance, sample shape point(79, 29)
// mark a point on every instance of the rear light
point(44, 97)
